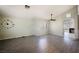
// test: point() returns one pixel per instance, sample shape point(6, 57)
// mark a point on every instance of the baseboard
point(16, 37)
point(62, 36)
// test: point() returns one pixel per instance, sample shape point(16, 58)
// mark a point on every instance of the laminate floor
point(39, 44)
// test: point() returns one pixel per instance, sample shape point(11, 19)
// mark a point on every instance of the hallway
point(39, 44)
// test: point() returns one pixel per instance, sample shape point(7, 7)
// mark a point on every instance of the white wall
point(40, 26)
point(57, 27)
point(26, 22)
point(21, 28)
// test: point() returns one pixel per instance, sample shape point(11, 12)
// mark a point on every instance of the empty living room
point(39, 29)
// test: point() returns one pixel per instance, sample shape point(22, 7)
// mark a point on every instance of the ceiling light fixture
point(51, 18)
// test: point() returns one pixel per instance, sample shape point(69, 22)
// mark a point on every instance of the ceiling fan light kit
point(51, 18)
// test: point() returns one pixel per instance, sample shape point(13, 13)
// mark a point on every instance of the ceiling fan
point(52, 18)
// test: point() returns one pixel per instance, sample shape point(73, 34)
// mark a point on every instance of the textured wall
point(13, 26)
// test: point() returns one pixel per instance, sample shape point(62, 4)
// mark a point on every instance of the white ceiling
point(54, 9)
point(35, 10)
